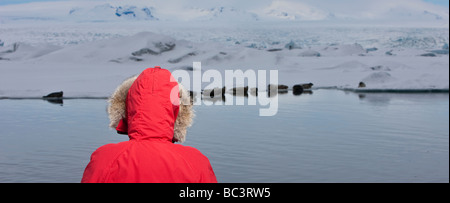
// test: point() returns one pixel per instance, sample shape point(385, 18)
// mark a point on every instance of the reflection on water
point(56, 101)
point(327, 136)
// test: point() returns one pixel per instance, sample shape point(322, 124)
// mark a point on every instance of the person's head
point(150, 105)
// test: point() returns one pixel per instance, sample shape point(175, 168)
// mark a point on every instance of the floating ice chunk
point(429, 55)
point(371, 49)
point(378, 78)
point(21, 51)
point(380, 68)
point(292, 45)
point(445, 46)
point(343, 50)
point(442, 51)
point(310, 53)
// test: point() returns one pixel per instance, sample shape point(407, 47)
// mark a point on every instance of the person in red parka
point(155, 112)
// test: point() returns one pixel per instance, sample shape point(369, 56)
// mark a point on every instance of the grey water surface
point(326, 136)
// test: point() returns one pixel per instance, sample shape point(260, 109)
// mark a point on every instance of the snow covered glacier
point(88, 49)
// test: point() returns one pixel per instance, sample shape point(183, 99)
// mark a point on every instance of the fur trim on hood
point(117, 109)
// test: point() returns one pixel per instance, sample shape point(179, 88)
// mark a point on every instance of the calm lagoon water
point(327, 136)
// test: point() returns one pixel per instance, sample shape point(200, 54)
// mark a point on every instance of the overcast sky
point(439, 2)
point(6, 2)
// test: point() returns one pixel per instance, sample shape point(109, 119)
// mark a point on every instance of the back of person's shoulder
point(193, 154)
point(188, 149)
point(111, 149)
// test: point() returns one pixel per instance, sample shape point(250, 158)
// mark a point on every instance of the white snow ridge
point(87, 48)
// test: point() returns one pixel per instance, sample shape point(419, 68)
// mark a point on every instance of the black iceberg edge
point(412, 91)
point(356, 90)
point(53, 98)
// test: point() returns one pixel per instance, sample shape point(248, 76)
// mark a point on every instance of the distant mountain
point(109, 12)
point(411, 11)
point(223, 13)
point(293, 10)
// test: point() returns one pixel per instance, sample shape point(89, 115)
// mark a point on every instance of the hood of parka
point(151, 106)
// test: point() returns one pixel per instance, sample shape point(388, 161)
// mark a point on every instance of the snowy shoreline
point(356, 91)
point(92, 59)
point(95, 69)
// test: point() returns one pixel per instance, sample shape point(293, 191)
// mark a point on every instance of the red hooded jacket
point(149, 156)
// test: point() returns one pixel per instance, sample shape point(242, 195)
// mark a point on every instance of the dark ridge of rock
point(54, 95)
